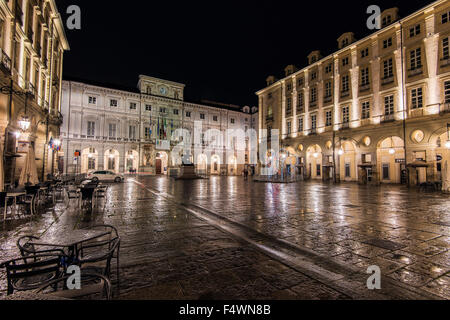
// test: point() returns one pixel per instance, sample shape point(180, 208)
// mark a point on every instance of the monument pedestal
point(188, 173)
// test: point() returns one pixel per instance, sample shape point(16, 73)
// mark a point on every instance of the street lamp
point(392, 151)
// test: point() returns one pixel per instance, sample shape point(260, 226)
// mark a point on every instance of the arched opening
point(443, 160)
point(132, 161)
point(314, 161)
point(89, 160)
point(161, 163)
point(391, 160)
point(112, 160)
point(232, 166)
point(202, 164)
point(347, 160)
point(215, 165)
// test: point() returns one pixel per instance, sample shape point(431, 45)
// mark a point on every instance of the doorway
point(158, 166)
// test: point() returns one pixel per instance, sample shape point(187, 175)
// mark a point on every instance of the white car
point(105, 176)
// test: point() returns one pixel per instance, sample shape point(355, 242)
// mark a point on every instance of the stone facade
point(30, 79)
point(352, 115)
point(127, 130)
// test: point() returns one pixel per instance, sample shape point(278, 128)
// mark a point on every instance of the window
point(289, 87)
point(113, 103)
point(300, 125)
point(162, 110)
point(301, 102)
point(148, 107)
point(365, 53)
point(91, 128)
point(345, 42)
point(91, 163)
point(415, 59)
point(345, 83)
point(313, 95)
point(345, 61)
point(386, 20)
point(388, 105)
point(318, 170)
point(445, 17)
point(346, 114)
point(414, 31)
point(301, 81)
point(147, 133)
point(387, 43)
point(386, 175)
point(202, 116)
point(329, 68)
point(388, 69)
point(365, 77)
point(188, 114)
point(328, 90)
point(132, 132)
point(92, 100)
point(288, 105)
point(112, 130)
point(133, 106)
point(445, 48)
point(347, 170)
point(328, 118)
point(232, 121)
point(416, 98)
point(313, 75)
point(175, 112)
point(365, 110)
point(447, 91)
point(270, 96)
point(215, 118)
point(314, 122)
point(289, 127)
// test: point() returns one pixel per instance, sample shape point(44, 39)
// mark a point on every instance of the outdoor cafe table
point(70, 240)
point(15, 195)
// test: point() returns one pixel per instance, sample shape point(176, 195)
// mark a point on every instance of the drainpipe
point(405, 104)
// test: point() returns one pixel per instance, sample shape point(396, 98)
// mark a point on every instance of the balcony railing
point(387, 80)
point(345, 125)
point(312, 105)
point(5, 61)
point(388, 118)
point(364, 87)
point(445, 62)
point(345, 94)
point(415, 71)
point(327, 99)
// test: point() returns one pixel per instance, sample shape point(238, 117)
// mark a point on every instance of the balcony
point(313, 105)
point(364, 87)
point(387, 80)
point(444, 108)
point(327, 99)
point(5, 62)
point(445, 62)
point(312, 132)
point(345, 125)
point(31, 90)
point(345, 94)
point(415, 71)
point(388, 118)
point(300, 110)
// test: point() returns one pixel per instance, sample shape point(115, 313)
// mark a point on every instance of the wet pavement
point(226, 238)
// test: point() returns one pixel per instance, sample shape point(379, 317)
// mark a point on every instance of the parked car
point(105, 176)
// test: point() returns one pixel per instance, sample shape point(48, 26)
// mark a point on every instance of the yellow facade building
point(352, 115)
point(32, 43)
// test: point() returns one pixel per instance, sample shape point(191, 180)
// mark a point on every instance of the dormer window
point(345, 42)
point(313, 59)
point(387, 20)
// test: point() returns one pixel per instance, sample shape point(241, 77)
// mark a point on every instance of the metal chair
point(102, 251)
point(91, 284)
point(32, 272)
point(26, 248)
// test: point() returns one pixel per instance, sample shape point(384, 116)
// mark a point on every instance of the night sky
point(221, 50)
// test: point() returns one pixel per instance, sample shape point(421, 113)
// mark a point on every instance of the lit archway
point(89, 160)
point(347, 159)
point(112, 160)
point(161, 163)
point(314, 161)
point(232, 166)
point(391, 161)
point(215, 165)
point(132, 161)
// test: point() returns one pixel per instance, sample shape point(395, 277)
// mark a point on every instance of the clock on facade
point(163, 91)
